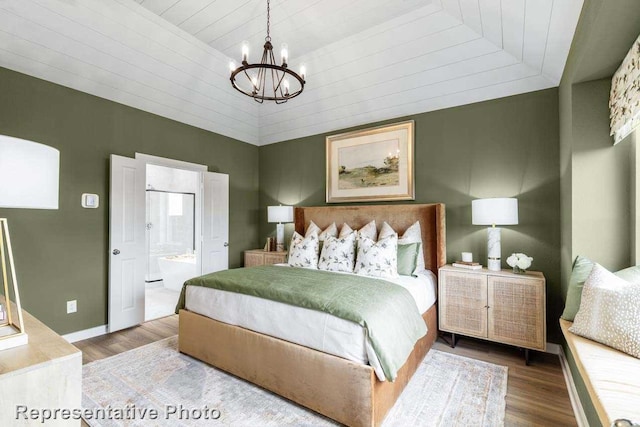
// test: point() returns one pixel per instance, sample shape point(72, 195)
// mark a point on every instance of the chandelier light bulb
point(303, 72)
point(232, 65)
point(254, 81)
point(285, 84)
point(284, 53)
point(245, 51)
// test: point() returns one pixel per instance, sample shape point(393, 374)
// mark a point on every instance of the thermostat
point(90, 201)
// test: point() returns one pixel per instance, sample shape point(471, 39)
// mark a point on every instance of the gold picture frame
point(374, 164)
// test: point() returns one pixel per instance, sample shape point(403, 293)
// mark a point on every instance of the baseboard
point(578, 410)
point(85, 334)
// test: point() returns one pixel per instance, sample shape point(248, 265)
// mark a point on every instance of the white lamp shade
point(280, 213)
point(495, 211)
point(29, 174)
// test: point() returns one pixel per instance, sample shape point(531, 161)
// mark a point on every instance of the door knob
point(226, 244)
point(116, 251)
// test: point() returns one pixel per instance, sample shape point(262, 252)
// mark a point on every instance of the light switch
point(90, 201)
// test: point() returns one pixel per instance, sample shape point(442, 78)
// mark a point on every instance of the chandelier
point(267, 80)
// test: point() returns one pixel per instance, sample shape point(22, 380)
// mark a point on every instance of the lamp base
point(280, 237)
point(494, 264)
point(493, 249)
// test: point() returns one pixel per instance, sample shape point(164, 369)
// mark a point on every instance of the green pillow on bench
point(582, 267)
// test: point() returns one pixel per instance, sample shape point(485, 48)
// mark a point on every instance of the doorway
point(171, 252)
point(168, 222)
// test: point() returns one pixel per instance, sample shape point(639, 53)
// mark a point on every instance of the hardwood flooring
point(536, 394)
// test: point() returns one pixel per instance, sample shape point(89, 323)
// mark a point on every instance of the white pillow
point(413, 234)
point(345, 230)
point(609, 311)
point(303, 251)
point(378, 259)
point(369, 231)
point(312, 228)
point(338, 253)
point(330, 231)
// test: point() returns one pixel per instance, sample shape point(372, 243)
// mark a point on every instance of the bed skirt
point(345, 391)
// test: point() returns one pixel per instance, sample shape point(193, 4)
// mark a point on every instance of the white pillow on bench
point(610, 311)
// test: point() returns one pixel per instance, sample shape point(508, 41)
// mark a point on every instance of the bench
point(612, 377)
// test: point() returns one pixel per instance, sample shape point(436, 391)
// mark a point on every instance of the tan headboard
point(400, 217)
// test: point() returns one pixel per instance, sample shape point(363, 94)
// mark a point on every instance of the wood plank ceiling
point(366, 60)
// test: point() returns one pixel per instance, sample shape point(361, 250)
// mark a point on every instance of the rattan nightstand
point(497, 306)
point(255, 257)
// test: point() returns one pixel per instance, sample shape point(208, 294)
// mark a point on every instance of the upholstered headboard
point(400, 217)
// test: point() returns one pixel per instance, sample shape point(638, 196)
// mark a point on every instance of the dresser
point(45, 373)
point(498, 306)
point(254, 257)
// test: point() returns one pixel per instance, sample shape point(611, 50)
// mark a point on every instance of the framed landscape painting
point(373, 164)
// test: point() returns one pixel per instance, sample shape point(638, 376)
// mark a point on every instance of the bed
point(344, 390)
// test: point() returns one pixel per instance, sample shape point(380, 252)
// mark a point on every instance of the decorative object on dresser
point(280, 214)
point(373, 164)
point(254, 257)
point(492, 212)
point(519, 262)
point(494, 305)
point(29, 174)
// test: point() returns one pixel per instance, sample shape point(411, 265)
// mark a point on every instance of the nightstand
point(498, 306)
point(254, 257)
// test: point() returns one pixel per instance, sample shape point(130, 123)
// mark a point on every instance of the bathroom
point(172, 198)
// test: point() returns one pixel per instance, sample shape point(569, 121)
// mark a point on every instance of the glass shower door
point(170, 232)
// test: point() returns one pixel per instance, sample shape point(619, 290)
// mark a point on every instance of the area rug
point(156, 385)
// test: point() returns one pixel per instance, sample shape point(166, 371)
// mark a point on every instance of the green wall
point(501, 148)
point(62, 254)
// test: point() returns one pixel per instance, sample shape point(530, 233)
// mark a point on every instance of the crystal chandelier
point(267, 80)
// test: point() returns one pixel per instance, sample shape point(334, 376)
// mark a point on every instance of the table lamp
point(29, 175)
point(492, 212)
point(280, 214)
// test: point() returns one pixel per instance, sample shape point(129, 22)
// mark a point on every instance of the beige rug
point(447, 390)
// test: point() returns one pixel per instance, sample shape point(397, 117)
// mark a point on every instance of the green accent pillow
point(631, 274)
point(581, 269)
point(407, 258)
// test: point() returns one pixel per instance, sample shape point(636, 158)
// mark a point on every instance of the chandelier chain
point(268, 38)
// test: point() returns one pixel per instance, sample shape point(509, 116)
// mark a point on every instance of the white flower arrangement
point(521, 261)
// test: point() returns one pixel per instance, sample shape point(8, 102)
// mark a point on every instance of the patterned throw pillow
point(609, 311)
point(338, 253)
point(378, 259)
point(303, 251)
point(413, 234)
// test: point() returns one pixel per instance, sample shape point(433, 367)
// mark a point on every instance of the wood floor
point(536, 394)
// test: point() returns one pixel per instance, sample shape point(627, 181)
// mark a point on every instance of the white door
point(215, 222)
point(127, 263)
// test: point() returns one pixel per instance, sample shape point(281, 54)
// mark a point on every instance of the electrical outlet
point(72, 306)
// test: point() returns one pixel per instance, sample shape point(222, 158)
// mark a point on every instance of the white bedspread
point(314, 329)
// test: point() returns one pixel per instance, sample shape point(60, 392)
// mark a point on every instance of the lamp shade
point(280, 213)
point(29, 174)
point(495, 211)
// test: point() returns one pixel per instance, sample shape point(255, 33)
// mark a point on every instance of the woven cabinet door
point(253, 258)
point(517, 311)
point(275, 258)
point(463, 303)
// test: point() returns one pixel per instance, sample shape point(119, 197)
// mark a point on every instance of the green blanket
point(387, 311)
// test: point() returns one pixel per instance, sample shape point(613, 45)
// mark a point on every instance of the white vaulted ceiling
point(367, 60)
